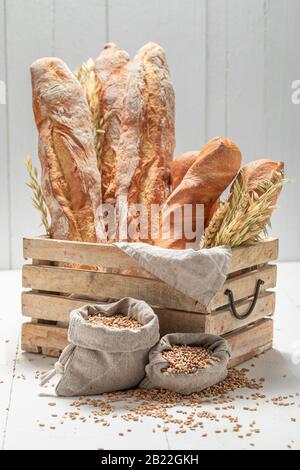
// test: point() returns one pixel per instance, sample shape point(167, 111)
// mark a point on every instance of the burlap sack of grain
point(102, 359)
point(156, 371)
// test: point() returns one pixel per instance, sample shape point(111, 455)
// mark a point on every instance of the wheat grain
point(187, 359)
point(115, 321)
point(38, 198)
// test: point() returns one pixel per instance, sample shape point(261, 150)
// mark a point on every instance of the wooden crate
point(55, 290)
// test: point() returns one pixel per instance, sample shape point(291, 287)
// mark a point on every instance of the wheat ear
point(38, 198)
point(214, 225)
point(92, 89)
point(245, 216)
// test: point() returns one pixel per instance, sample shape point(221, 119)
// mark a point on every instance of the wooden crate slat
point(155, 292)
point(250, 341)
point(43, 336)
point(245, 343)
point(103, 285)
point(243, 286)
point(253, 255)
point(223, 321)
point(65, 251)
point(49, 307)
point(236, 361)
point(110, 256)
point(53, 307)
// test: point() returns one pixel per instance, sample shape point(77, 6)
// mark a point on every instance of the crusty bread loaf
point(147, 133)
point(111, 68)
point(180, 166)
point(159, 132)
point(71, 182)
point(216, 166)
point(261, 171)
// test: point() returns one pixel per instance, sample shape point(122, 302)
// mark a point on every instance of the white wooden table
point(23, 406)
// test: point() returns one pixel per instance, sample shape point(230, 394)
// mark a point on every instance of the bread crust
point(71, 181)
point(159, 133)
point(181, 165)
point(263, 170)
point(111, 68)
point(147, 134)
point(214, 169)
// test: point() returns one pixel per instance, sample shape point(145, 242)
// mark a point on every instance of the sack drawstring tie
point(59, 366)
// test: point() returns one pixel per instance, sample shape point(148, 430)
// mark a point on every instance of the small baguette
point(261, 171)
point(180, 166)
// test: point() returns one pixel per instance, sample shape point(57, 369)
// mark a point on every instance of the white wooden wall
point(232, 63)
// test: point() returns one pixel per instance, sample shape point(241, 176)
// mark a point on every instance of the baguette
point(180, 166)
point(147, 136)
point(111, 69)
point(71, 181)
point(261, 171)
point(214, 169)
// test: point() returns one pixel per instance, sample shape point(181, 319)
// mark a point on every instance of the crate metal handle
point(229, 294)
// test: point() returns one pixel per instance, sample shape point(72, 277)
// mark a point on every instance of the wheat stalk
point(92, 89)
point(214, 225)
point(245, 216)
point(38, 198)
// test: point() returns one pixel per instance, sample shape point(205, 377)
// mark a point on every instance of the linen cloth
point(196, 273)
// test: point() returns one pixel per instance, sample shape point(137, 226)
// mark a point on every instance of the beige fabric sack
point(158, 377)
point(102, 359)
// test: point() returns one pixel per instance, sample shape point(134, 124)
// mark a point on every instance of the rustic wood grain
point(111, 256)
point(250, 341)
point(244, 286)
point(103, 285)
point(53, 307)
point(245, 343)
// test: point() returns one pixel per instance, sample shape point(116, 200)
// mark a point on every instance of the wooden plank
point(185, 44)
point(57, 308)
point(29, 37)
point(252, 255)
point(97, 284)
point(155, 292)
point(223, 321)
point(250, 341)
point(90, 254)
point(112, 257)
point(53, 307)
point(52, 352)
point(176, 321)
point(282, 116)
point(49, 307)
point(244, 286)
point(36, 336)
point(245, 343)
point(4, 175)
point(81, 33)
point(235, 361)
